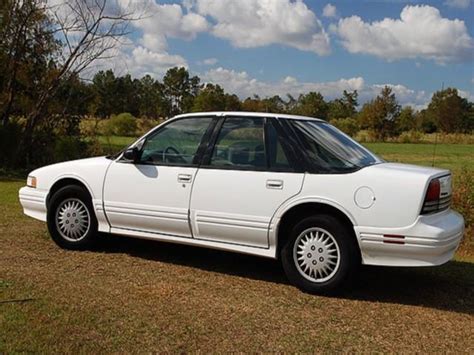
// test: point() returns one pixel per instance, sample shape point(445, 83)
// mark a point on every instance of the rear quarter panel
point(398, 191)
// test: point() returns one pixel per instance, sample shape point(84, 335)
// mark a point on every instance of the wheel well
point(65, 182)
point(297, 213)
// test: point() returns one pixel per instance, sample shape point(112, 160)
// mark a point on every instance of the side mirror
point(131, 154)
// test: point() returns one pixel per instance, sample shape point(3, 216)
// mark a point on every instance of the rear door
point(245, 176)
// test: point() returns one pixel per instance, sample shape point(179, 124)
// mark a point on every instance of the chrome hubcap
point(72, 219)
point(316, 255)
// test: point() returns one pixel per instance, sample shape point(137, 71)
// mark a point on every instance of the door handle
point(275, 184)
point(185, 177)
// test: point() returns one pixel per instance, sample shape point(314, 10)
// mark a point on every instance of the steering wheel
point(177, 158)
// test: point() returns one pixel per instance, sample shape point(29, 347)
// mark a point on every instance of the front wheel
point(71, 220)
point(320, 255)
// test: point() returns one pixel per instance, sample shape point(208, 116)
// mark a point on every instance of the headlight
point(31, 182)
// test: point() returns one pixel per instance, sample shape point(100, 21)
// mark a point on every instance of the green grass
point(449, 156)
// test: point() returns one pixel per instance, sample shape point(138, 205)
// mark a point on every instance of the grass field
point(142, 296)
point(449, 156)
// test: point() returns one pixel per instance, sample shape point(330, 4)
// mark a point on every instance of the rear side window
point(240, 144)
point(329, 150)
point(277, 157)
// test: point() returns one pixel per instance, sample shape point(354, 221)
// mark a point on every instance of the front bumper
point(33, 202)
point(431, 240)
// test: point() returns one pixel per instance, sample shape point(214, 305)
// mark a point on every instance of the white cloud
point(466, 95)
point(168, 20)
point(244, 86)
point(143, 61)
point(461, 4)
point(148, 53)
point(139, 61)
point(208, 61)
point(329, 11)
point(420, 32)
point(256, 23)
point(405, 96)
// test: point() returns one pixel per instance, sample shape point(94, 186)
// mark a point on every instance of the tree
point(312, 105)
point(232, 102)
point(88, 31)
point(253, 104)
point(406, 121)
point(380, 115)
point(104, 85)
point(210, 98)
point(127, 91)
point(179, 90)
point(27, 47)
point(343, 107)
point(151, 100)
point(348, 125)
point(450, 112)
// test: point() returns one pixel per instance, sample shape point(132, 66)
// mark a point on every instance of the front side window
point(176, 143)
point(240, 144)
point(329, 150)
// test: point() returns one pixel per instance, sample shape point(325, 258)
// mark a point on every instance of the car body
point(255, 183)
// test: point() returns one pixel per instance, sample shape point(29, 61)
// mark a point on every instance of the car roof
point(247, 114)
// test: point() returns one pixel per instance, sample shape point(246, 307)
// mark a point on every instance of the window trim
point(199, 151)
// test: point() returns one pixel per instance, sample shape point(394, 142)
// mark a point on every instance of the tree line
point(42, 96)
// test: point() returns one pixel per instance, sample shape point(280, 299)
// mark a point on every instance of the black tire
point(347, 250)
point(72, 193)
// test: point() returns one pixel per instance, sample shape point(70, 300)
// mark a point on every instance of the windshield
point(329, 150)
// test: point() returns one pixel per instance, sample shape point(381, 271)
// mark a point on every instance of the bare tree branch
point(89, 31)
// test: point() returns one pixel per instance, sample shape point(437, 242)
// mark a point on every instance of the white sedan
point(272, 185)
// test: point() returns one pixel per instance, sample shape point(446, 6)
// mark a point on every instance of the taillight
point(432, 194)
point(435, 200)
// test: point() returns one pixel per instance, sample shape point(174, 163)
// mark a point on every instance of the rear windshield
point(329, 150)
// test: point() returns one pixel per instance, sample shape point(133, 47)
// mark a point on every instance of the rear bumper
point(431, 240)
point(33, 202)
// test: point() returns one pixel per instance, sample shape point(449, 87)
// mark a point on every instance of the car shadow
point(449, 287)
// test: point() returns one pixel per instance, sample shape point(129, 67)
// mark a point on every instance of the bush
point(366, 136)
point(347, 125)
point(69, 148)
point(449, 138)
point(146, 124)
point(90, 127)
point(121, 125)
point(410, 137)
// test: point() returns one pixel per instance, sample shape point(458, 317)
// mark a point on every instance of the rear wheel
point(321, 255)
point(71, 220)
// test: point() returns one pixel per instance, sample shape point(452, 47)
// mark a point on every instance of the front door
point(152, 195)
point(246, 178)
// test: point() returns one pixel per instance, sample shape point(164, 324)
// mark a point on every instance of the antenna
point(436, 136)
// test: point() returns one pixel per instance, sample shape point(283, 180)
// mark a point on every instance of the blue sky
point(268, 47)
